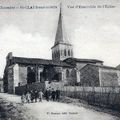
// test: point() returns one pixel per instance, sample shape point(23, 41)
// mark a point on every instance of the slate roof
point(84, 60)
point(103, 66)
point(22, 60)
point(118, 67)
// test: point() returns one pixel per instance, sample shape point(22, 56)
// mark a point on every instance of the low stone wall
point(35, 86)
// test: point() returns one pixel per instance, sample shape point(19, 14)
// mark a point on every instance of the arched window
point(58, 53)
point(31, 75)
point(55, 54)
point(71, 53)
point(67, 73)
point(65, 52)
point(68, 52)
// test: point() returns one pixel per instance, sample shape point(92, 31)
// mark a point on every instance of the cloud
point(102, 43)
point(12, 39)
point(111, 33)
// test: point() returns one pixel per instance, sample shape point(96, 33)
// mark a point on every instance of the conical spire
point(60, 36)
point(62, 49)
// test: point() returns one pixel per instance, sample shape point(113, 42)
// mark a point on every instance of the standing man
point(32, 96)
point(47, 94)
point(57, 95)
point(53, 94)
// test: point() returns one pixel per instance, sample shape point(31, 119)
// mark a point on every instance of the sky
point(92, 26)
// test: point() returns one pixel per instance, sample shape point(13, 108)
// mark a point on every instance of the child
point(23, 98)
point(40, 94)
point(28, 97)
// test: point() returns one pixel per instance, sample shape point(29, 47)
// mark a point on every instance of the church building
point(63, 68)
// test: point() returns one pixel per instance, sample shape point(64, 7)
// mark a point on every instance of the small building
point(99, 75)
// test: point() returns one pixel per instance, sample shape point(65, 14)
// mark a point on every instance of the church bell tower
point(62, 48)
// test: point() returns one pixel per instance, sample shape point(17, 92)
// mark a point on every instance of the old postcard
point(59, 59)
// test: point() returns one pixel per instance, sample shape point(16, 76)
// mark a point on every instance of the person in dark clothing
point(57, 95)
point(36, 95)
point(32, 96)
point(47, 94)
point(53, 94)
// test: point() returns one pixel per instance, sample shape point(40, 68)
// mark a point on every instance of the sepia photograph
point(59, 59)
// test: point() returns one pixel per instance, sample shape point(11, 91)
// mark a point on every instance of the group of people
point(35, 96)
point(52, 95)
point(32, 96)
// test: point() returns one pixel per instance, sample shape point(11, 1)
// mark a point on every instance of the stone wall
point(10, 80)
point(108, 77)
point(89, 76)
point(73, 76)
point(13, 78)
point(16, 75)
point(92, 75)
point(22, 75)
point(118, 73)
point(1, 86)
point(35, 86)
point(70, 76)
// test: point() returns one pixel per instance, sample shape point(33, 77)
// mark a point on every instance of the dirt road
point(56, 111)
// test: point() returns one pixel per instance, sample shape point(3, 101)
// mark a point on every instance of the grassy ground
point(10, 111)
